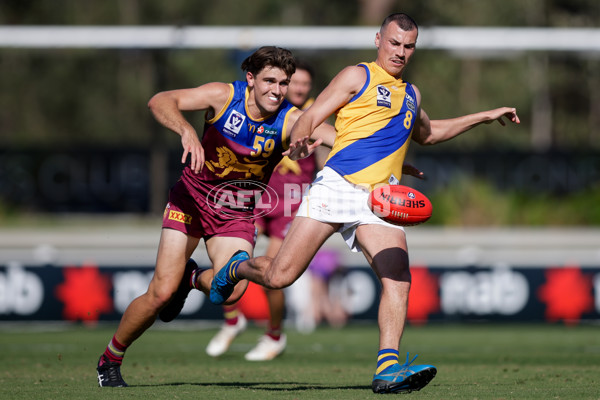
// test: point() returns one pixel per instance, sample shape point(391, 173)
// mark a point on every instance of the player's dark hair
point(270, 56)
point(404, 21)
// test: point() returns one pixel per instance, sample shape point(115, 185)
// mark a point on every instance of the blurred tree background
point(68, 99)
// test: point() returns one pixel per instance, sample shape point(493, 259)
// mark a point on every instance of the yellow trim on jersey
point(222, 110)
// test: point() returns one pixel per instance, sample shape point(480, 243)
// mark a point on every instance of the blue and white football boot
point(223, 284)
point(403, 378)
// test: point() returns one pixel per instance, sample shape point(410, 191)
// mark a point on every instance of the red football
point(400, 205)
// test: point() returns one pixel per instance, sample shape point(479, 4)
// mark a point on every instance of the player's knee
point(399, 273)
point(281, 272)
point(160, 297)
point(404, 275)
point(276, 281)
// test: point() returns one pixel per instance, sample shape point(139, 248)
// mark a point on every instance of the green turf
point(474, 362)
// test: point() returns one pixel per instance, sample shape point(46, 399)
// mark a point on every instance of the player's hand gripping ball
point(400, 205)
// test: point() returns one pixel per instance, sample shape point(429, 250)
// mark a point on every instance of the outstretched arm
point(167, 109)
point(427, 132)
point(436, 131)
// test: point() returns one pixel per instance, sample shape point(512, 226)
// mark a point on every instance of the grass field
point(474, 361)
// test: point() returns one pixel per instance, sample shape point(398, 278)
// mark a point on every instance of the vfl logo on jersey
point(384, 97)
point(411, 103)
point(234, 123)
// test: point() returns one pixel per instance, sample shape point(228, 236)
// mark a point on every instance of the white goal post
point(489, 41)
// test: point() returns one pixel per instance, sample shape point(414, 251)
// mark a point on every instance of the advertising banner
point(92, 293)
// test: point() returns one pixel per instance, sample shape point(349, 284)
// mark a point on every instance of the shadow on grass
point(267, 386)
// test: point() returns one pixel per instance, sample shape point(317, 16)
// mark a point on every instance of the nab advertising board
point(91, 293)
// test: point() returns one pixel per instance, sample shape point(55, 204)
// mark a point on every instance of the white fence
point(487, 41)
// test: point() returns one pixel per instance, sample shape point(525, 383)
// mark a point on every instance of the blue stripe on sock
point(387, 355)
point(384, 359)
point(388, 351)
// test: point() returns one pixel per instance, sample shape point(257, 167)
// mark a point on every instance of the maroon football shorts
point(187, 211)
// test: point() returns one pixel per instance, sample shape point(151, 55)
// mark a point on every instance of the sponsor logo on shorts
point(179, 216)
point(384, 97)
point(322, 208)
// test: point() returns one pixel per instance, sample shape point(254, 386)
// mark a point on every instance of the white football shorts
point(331, 198)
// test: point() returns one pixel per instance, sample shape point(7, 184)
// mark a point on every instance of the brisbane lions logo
point(228, 162)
